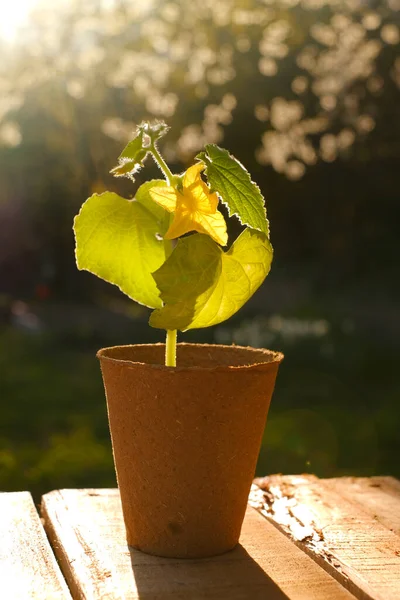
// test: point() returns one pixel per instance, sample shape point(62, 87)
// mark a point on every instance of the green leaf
point(118, 240)
point(162, 216)
point(227, 176)
point(135, 147)
point(201, 285)
point(142, 195)
point(131, 158)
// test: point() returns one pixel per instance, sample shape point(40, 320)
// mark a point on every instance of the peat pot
point(186, 441)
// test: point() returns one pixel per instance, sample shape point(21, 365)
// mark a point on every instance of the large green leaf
point(120, 241)
point(201, 285)
point(161, 215)
point(142, 195)
point(229, 178)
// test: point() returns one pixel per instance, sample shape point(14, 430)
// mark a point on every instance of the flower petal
point(202, 200)
point(181, 224)
point(214, 226)
point(165, 197)
point(192, 174)
point(194, 206)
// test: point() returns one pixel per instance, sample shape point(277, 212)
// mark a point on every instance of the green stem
point(161, 163)
point(170, 348)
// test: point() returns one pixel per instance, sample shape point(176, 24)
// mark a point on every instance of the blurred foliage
point(306, 94)
point(54, 431)
point(334, 412)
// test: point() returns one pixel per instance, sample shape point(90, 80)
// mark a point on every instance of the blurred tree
point(295, 85)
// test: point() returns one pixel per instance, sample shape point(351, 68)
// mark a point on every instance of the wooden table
point(303, 538)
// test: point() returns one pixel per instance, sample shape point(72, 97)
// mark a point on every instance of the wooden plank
point(337, 531)
point(379, 496)
point(28, 568)
point(87, 532)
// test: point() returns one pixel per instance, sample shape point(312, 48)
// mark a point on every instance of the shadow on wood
point(157, 577)
point(87, 532)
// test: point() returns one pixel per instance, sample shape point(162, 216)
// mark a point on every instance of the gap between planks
point(28, 568)
point(347, 525)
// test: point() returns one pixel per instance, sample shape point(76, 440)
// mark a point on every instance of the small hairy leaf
point(120, 241)
point(131, 158)
point(133, 148)
point(227, 176)
point(133, 155)
point(201, 285)
point(154, 129)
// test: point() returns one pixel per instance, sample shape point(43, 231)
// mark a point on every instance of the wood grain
point(28, 569)
point(87, 533)
point(341, 525)
point(379, 496)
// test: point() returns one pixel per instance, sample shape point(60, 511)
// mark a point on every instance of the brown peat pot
point(186, 441)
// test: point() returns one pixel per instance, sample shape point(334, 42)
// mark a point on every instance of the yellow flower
point(194, 206)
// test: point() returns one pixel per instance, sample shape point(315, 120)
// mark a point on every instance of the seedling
point(192, 282)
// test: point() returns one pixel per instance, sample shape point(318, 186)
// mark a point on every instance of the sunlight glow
point(14, 14)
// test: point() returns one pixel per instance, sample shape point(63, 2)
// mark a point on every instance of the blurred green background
point(306, 94)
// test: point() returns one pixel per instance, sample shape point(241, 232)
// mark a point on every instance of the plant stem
point(161, 163)
point(170, 345)
point(170, 348)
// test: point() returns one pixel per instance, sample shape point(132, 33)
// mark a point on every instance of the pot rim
point(274, 358)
